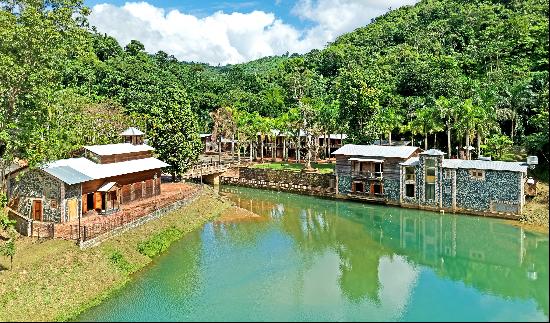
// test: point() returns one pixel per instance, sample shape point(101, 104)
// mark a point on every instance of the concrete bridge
point(208, 172)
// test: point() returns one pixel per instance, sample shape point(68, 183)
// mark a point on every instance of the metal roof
point(132, 132)
point(413, 161)
point(67, 174)
point(106, 187)
point(433, 152)
point(368, 160)
point(115, 149)
point(78, 170)
point(376, 151)
point(485, 164)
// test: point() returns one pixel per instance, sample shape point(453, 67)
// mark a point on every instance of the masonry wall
point(36, 185)
point(498, 191)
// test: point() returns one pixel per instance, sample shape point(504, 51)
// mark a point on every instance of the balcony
point(367, 175)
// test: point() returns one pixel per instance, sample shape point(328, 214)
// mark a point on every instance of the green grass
point(323, 168)
point(55, 280)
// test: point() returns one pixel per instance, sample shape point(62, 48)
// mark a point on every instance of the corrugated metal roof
point(376, 151)
point(374, 160)
point(433, 152)
point(413, 161)
point(115, 149)
point(78, 170)
point(67, 174)
point(485, 164)
point(132, 132)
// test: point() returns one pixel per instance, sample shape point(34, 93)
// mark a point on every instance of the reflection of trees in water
point(489, 255)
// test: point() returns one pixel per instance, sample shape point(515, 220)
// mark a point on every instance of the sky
point(221, 32)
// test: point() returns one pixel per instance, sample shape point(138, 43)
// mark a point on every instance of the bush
point(159, 242)
point(120, 262)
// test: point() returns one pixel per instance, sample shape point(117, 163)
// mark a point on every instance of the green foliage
point(173, 130)
point(117, 259)
point(472, 68)
point(159, 242)
point(497, 146)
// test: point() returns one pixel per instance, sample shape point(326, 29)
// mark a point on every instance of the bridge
point(208, 172)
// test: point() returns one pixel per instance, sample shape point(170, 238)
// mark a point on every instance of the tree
point(37, 39)
point(426, 121)
point(497, 145)
point(173, 132)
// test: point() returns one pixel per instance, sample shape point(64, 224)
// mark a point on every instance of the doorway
point(37, 210)
point(90, 201)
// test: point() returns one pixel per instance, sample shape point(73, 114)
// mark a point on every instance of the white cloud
point(237, 37)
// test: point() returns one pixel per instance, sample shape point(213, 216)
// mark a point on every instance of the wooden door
point(84, 203)
point(72, 206)
point(97, 200)
point(37, 210)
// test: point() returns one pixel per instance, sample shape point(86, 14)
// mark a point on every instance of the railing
point(367, 174)
point(208, 168)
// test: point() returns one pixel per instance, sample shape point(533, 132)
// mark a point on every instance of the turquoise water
point(313, 259)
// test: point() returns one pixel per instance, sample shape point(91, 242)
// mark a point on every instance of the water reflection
point(489, 255)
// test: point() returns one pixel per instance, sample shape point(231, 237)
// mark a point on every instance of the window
point(430, 191)
point(53, 203)
point(409, 173)
point(430, 179)
point(448, 174)
point(477, 174)
point(377, 188)
point(378, 169)
point(409, 190)
point(447, 190)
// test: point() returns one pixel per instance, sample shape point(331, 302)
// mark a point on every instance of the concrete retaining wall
point(155, 215)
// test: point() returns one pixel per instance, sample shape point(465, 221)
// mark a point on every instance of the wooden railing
point(367, 174)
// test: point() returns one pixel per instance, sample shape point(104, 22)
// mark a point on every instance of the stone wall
point(344, 184)
point(289, 181)
point(498, 191)
point(72, 191)
point(37, 185)
point(290, 177)
point(391, 189)
point(447, 188)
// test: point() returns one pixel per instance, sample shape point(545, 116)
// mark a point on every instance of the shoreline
point(539, 228)
point(53, 280)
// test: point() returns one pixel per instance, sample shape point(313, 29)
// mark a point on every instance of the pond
point(313, 259)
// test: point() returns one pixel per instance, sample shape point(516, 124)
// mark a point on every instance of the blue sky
point(203, 8)
point(229, 32)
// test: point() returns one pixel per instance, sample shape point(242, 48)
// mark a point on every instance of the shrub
point(159, 242)
point(120, 262)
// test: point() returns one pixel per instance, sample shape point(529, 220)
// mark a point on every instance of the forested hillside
point(443, 73)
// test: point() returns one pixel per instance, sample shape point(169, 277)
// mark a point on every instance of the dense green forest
point(443, 73)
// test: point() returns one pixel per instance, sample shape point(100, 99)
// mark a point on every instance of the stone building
point(405, 176)
point(105, 177)
point(474, 186)
point(371, 172)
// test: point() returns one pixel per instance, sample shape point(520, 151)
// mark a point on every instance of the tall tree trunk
point(329, 146)
point(232, 146)
point(426, 141)
point(298, 146)
point(513, 130)
point(435, 140)
point(262, 149)
point(468, 144)
point(325, 143)
point(449, 139)
point(285, 153)
point(478, 144)
point(389, 138)
point(250, 150)
point(219, 149)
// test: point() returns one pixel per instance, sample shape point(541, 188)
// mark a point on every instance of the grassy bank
point(535, 213)
point(55, 280)
point(323, 168)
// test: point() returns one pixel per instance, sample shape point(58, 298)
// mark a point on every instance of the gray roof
point(132, 132)
point(485, 164)
point(413, 161)
point(78, 170)
point(115, 149)
point(433, 152)
point(67, 174)
point(376, 151)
